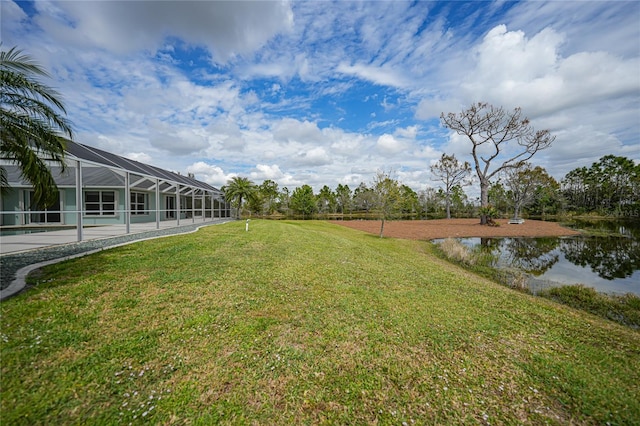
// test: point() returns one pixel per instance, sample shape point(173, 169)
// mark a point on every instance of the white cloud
point(426, 154)
point(317, 156)
point(513, 70)
point(415, 179)
point(432, 107)
point(264, 171)
point(227, 29)
point(292, 130)
point(346, 144)
point(409, 132)
point(176, 140)
point(272, 172)
point(141, 157)
point(12, 17)
point(380, 75)
point(354, 179)
point(565, 153)
point(387, 144)
point(209, 173)
point(597, 26)
point(510, 56)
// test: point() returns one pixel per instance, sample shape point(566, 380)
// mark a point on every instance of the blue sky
point(322, 93)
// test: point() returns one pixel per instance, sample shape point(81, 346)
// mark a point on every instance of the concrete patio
point(12, 244)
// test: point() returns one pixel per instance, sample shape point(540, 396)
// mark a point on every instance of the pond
point(608, 262)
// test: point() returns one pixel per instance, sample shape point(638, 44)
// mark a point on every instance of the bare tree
point(451, 172)
point(490, 130)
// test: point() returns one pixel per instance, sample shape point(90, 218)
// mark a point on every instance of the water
point(610, 264)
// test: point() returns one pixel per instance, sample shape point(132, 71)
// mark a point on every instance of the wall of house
point(17, 199)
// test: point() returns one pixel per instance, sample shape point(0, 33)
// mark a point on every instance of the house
point(114, 190)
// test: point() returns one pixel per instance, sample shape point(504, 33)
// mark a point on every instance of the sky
point(327, 93)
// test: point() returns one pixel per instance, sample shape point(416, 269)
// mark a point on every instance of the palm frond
point(32, 123)
point(14, 59)
point(13, 83)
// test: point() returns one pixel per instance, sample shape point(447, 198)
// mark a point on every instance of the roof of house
point(107, 176)
point(95, 155)
point(91, 177)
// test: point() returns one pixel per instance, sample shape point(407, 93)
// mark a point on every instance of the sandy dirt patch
point(457, 228)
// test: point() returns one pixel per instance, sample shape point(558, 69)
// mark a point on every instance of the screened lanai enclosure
point(98, 188)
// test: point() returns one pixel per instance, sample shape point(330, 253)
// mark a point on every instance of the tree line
point(609, 187)
point(384, 198)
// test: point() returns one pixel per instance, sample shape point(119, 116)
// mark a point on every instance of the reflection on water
point(607, 263)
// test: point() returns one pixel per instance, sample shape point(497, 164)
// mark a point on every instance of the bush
point(455, 250)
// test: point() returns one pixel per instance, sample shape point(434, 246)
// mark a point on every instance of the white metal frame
point(131, 180)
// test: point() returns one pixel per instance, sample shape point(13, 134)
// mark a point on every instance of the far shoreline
point(458, 228)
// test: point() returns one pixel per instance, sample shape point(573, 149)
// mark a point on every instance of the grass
point(302, 323)
point(624, 309)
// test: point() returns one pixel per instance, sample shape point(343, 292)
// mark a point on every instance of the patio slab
point(12, 244)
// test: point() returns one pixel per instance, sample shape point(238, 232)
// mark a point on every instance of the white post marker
point(246, 227)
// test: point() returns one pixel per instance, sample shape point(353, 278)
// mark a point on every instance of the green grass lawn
point(301, 322)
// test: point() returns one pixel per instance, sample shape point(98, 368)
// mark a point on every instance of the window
point(100, 203)
point(170, 204)
point(50, 214)
point(139, 203)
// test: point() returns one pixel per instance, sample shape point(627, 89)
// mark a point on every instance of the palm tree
point(31, 124)
point(237, 189)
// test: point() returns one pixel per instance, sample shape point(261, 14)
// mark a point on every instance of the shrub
point(455, 250)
